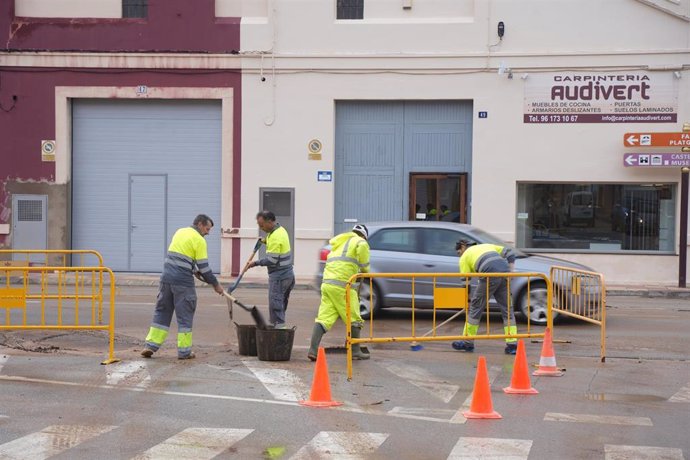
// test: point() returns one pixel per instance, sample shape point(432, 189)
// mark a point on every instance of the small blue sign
point(483, 114)
point(324, 176)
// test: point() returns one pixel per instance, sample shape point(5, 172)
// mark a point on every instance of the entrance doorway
point(440, 197)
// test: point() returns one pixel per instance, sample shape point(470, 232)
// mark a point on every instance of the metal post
point(682, 260)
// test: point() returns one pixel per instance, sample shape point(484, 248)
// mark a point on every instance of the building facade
point(511, 116)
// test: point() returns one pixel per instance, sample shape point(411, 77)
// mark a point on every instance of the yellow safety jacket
point(482, 258)
point(187, 249)
point(349, 255)
point(278, 254)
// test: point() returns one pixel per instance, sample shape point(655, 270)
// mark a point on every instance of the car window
point(394, 239)
point(441, 242)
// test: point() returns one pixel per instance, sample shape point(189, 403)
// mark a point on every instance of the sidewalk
point(261, 282)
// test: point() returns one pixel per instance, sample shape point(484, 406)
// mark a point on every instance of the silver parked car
point(429, 247)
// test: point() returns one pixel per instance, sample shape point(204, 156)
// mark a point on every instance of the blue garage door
point(140, 171)
point(379, 143)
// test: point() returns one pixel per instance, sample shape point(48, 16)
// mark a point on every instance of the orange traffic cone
point(547, 361)
point(481, 406)
point(321, 386)
point(520, 384)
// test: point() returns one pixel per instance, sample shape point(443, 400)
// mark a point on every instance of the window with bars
point(350, 9)
point(135, 8)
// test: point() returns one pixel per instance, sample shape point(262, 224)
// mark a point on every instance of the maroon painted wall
point(31, 118)
point(171, 26)
point(27, 95)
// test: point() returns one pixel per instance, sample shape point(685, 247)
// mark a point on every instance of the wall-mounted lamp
point(677, 74)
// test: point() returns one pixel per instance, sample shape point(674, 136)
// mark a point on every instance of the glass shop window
point(596, 217)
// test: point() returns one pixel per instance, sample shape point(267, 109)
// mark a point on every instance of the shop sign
point(601, 97)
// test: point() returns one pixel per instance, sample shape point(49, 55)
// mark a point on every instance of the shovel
point(233, 286)
point(256, 314)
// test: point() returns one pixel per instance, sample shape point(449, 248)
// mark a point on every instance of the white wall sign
point(324, 176)
point(601, 97)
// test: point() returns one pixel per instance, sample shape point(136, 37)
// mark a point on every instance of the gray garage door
point(380, 143)
point(140, 171)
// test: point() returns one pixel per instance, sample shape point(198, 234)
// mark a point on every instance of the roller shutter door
point(141, 170)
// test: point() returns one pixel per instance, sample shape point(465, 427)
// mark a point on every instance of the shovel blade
point(259, 318)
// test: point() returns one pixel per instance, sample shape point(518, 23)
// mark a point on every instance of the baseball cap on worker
point(361, 230)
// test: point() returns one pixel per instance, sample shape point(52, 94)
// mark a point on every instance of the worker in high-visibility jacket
point(278, 261)
point(187, 257)
point(487, 258)
point(349, 255)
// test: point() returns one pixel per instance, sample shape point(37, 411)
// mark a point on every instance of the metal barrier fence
point(449, 290)
point(55, 258)
point(581, 294)
point(57, 298)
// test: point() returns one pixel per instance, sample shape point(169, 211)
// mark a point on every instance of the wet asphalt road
point(400, 404)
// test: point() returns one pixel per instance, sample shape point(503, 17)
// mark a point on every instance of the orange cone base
point(520, 391)
point(470, 414)
point(320, 403)
point(547, 372)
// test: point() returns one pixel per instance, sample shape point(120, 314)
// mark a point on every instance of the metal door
point(29, 224)
point(147, 222)
point(280, 201)
point(379, 144)
point(116, 139)
point(368, 163)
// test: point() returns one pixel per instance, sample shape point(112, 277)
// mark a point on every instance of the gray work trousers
point(498, 289)
point(180, 300)
point(278, 296)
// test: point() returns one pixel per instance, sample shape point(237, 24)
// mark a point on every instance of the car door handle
point(429, 265)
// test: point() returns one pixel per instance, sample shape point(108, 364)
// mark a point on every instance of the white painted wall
point(450, 50)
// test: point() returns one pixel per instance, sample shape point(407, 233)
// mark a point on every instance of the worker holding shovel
point(187, 253)
point(278, 261)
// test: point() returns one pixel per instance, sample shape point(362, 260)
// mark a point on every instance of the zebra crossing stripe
point(340, 444)
point(195, 444)
point(683, 395)
point(284, 385)
point(423, 379)
point(605, 419)
point(51, 441)
point(616, 452)
point(3, 360)
point(491, 448)
point(132, 373)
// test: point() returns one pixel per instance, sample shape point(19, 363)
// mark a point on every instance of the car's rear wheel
point(367, 302)
point(534, 305)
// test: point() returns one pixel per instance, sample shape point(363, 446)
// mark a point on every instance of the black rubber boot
point(316, 335)
point(357, 352)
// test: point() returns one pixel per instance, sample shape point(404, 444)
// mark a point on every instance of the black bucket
point(274, 344)
point(246, 339)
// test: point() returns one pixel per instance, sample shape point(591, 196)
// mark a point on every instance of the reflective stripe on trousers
point(180, 300)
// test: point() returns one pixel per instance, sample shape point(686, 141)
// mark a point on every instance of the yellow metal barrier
point(581, 294)
point(50, 257)
point(55, 258)
point(59, 302)
point(443, 298)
